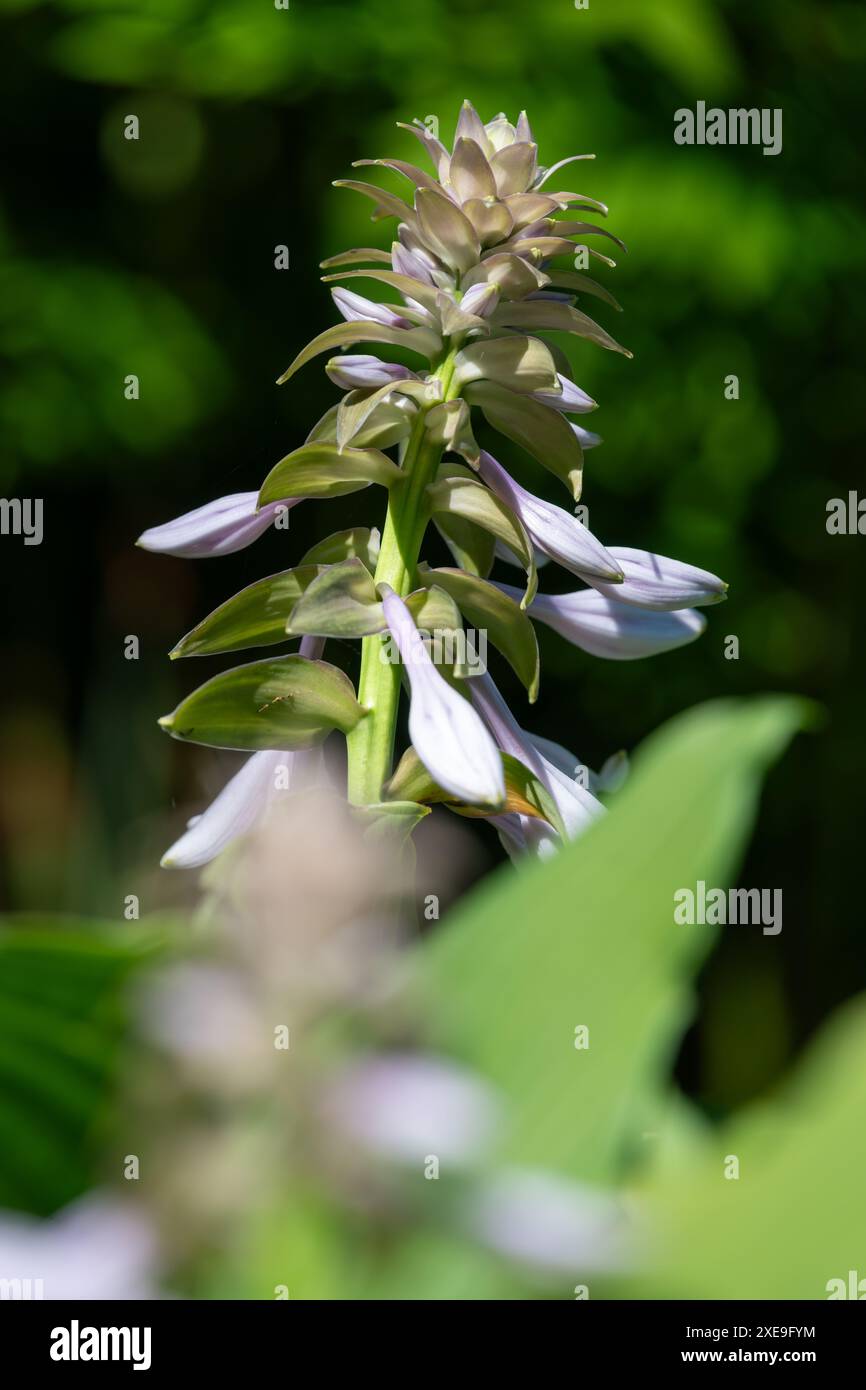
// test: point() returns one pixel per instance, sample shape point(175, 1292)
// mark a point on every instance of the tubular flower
point(482, 266)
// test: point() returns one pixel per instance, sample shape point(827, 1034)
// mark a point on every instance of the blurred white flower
point(98, 1248)
point(549, 1223)
point(407, 1107)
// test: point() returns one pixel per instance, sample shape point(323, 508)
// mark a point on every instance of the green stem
point(371, 743)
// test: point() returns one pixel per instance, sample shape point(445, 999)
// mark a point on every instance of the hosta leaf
point(288, 702)
point(506, 625)
point(524, 364)
point(420, 340)
point(62, 986)
point(340, 602)
point(588, 937)
point(540, 430)
point(455, 494)
point(799, 1204)
point(323, 470)
point(256, 617)
point(342, 545)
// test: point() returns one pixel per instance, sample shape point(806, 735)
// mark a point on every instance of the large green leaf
point(321, 470)
point(256, 617)
point(589, 938)
point(288, 702)
point(794, 1218)
point(61, 1022)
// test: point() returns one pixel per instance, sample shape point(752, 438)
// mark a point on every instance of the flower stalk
point(476, 268)
point(370, 746)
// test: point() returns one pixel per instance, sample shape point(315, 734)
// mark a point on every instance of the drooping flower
point(218, 528)
point(446, 732)
point(578, 807)
point(617, 631)
point(555, 531)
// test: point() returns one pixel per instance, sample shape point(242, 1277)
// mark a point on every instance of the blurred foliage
point(61, 1025)
point(155, 257)
point(578, 942)
point(501, 986)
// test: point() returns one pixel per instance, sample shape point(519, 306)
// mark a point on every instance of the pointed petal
point(446, 732)
point(411, 264)
point(218, 528)
point(446, 231)
point(356, 309)
point(577, 806)
point(500, 131)
point(435, 149)
point(470, 173)
point(616, 631)
point(569, 398)
point(239, 806)
point(663, 585)
point(559, 534)
point(514, 168)
point(490, 218)
point(523, 130)
point(471, 127)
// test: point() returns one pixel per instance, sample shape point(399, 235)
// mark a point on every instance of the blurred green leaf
point(589, 939)
point(61, 1023)
point(794, 1218)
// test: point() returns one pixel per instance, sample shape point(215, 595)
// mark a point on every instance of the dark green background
point(156, 258)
